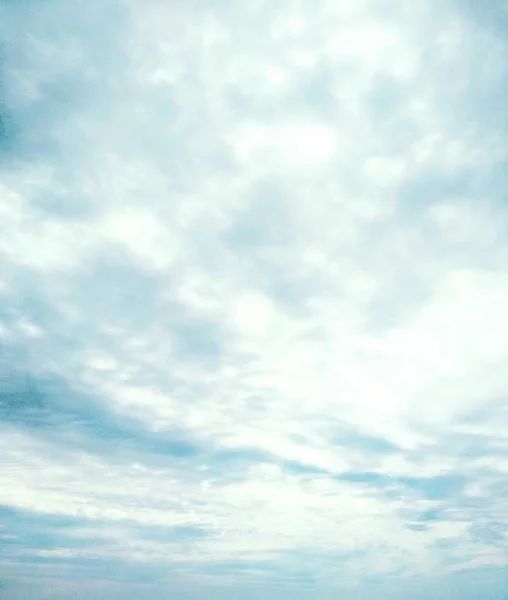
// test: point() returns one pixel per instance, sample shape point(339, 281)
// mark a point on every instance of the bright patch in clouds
point(306, 144)
point(252, 314)
point(293, 145)
point(253, 291)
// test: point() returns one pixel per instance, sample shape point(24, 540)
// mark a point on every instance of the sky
point(253, 299)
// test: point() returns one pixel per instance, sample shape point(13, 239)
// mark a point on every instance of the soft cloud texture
point(253, 291)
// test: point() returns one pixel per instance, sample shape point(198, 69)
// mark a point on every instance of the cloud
point(252, 298)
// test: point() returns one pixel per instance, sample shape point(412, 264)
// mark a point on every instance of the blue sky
point(253, 291)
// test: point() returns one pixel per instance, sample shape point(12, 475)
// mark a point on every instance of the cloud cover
point(253, 299)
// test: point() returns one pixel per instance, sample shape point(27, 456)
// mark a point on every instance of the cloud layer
point(253, 297)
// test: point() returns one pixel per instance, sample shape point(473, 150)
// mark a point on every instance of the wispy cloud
point(253, 295)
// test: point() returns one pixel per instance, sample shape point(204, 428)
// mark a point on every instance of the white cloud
point(301, 207)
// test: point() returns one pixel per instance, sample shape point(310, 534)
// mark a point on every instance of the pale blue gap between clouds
point(63, 74)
